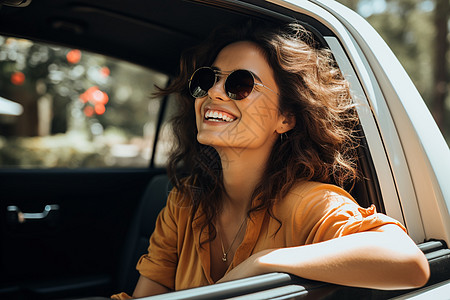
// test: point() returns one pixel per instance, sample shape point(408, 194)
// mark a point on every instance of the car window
point(62, 107)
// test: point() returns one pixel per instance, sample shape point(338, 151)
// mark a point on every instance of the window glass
point(62, 107)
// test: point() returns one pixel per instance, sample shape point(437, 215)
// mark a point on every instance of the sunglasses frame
point(218, 73)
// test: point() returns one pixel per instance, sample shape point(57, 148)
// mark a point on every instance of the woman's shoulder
point(305, 188)
point(312, 193)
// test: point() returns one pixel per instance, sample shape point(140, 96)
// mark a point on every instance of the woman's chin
point(207, 139)
point(212, 140)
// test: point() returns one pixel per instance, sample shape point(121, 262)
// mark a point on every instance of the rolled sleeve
point(332, 212)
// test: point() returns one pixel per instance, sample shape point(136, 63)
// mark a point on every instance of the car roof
point(150, 33)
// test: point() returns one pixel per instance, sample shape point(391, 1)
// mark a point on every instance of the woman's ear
point(287, 122)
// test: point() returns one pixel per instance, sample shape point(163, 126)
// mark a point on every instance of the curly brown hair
point(321, 146)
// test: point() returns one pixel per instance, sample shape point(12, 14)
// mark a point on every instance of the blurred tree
point(417, 32)
point(352, 4)
point(79, 108)
point(29, 71)
point(440, 89)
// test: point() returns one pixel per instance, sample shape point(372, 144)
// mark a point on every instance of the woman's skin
point(384, 258)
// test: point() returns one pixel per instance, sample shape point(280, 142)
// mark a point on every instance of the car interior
point(90, 245)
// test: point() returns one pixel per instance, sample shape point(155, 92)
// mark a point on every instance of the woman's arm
point(147, 287)
point(385, 258)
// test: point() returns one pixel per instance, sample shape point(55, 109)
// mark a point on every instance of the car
point(83, 147)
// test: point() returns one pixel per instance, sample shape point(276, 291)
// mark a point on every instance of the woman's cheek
point(198, 110)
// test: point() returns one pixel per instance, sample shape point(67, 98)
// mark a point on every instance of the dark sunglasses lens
point(202, 80)
point(239, 84)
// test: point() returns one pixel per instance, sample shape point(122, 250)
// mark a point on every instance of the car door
point(77, 146)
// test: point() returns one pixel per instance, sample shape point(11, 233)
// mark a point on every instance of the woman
point(265, 126)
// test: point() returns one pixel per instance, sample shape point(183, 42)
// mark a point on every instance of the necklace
point(225, 253)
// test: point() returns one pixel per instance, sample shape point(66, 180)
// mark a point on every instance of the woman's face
point(250, 123)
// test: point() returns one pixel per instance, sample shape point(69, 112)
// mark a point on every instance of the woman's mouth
point(218, 116)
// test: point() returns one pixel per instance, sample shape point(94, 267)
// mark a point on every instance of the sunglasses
point(238, 85)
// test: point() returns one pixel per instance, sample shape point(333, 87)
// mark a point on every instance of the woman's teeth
point(218, 116)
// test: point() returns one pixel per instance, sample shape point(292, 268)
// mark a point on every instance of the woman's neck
point(242, 171)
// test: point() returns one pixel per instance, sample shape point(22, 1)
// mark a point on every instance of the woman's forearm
point(384, 259)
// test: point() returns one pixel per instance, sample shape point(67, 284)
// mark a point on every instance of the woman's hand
point(250, 267)
point(147, 287)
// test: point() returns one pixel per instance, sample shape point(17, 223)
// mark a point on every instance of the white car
point(77, 228)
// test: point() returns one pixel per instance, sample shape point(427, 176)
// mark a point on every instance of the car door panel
point(82, 239)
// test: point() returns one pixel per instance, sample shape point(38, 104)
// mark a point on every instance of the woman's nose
point(217, 91)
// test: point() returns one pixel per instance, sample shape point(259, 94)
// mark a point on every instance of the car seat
point(142, 226)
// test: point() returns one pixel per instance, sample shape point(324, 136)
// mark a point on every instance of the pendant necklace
point(225, 253)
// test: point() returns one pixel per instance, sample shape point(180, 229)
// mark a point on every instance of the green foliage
point(408, 28)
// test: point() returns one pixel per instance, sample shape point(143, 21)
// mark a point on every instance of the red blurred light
point(105, 71)
point(89, 111)
point(83, 98)
point(100, 109)
point(95, 97)
point(17, 78)
point(74, 56)
point(104, 98)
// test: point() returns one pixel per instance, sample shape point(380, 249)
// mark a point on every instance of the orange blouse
point(312, 212)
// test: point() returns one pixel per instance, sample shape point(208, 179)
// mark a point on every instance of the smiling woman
point(84, 113)
point(265, 128)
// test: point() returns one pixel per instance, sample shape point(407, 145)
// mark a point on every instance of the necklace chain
point(225, 253)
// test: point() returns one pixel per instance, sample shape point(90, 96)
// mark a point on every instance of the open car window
point(69, 108)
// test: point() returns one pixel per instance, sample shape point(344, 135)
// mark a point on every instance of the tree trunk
point(441, 17)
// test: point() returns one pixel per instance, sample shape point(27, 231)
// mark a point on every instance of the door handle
point(23, 217)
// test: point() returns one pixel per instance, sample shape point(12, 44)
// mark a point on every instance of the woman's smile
point(218, 115)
